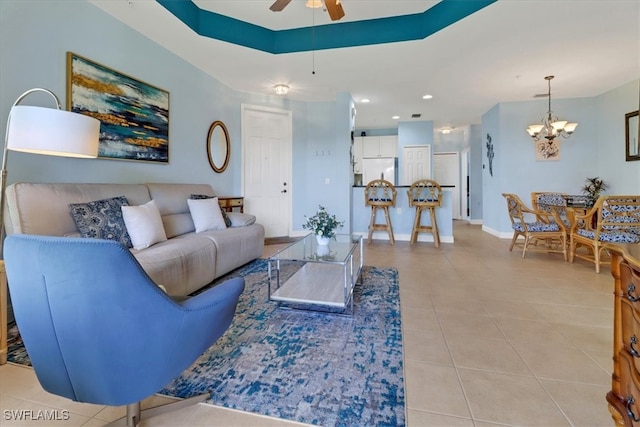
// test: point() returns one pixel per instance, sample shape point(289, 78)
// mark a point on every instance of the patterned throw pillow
point(227, 221)
point(102, 219)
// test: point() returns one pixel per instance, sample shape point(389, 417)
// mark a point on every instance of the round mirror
point(218, 146)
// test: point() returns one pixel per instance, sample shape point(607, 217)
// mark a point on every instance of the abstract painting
point(134, 115)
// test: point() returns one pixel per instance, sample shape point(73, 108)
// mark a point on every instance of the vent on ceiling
point(416, 116)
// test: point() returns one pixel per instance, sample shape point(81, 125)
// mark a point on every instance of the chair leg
point(135, 415)
point(416, 224)
point(513, 240)
point(389, 226)
point(371, 223)
point(434, 227)
point(596, 257)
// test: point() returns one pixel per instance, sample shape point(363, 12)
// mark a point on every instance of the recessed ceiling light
point(427, 96)
point(365, 100)
point(395, 117)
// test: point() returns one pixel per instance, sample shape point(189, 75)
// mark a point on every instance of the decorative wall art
point(632, 136)
point(134, 116)
point(546, 150)
point(490, 154)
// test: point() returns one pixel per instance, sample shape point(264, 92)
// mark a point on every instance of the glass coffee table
point(306, 275)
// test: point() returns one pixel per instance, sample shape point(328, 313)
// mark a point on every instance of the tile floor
point(490, 339)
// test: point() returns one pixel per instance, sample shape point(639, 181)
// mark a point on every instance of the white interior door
point(446, 171)
point(416, 163)
point(266, 146)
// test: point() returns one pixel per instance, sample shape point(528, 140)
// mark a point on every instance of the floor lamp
point(48, 131)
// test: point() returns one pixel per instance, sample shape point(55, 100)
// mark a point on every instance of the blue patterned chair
point(544, 235)
point(425, 195)
point(612, 219)
point(98, 330)
point(380, 194)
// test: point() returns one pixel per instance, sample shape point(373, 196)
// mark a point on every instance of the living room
point(35, 37)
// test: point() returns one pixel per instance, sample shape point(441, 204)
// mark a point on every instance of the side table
point(228, 203)
point(3, 314)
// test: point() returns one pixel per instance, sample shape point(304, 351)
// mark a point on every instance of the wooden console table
point(3, 314)
point(228, 203)
point(624, 397)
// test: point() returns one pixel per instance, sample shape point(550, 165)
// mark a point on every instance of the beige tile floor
point(490, 339)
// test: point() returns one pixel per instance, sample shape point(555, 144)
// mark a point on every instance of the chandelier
point(551, 127)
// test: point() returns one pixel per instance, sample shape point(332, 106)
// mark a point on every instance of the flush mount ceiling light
point(281, 89)
point(365, 100)
point(446, 131)
point(427, 96)
point(551, 127)
point(395, 117)
point(313, 4)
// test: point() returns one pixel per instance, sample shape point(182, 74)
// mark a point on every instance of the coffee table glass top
point(310, 276)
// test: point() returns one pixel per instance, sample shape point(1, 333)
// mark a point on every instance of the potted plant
point(593, 188)
point(323, 225)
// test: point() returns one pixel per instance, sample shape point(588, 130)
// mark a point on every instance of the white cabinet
point(380, 146)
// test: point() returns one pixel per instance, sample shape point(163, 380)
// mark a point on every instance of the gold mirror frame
point(218, 144)
point(632, 135)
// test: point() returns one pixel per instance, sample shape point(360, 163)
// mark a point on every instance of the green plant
point(593, 188)
point(322, 223)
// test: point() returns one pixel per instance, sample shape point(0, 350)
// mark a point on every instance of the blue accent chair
point(97, 329)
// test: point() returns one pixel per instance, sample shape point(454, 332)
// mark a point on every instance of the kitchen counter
point(402, 216)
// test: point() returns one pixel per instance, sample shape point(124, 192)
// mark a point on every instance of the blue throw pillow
point(102, 219)
point(227, 221)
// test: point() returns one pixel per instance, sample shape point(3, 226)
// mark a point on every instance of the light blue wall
point(34, 38)
point(595, 149)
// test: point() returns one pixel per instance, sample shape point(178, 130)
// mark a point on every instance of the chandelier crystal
point(551, 127)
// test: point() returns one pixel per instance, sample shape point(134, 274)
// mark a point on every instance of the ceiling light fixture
point(427, 96)
point(551, 127)
point(446, 131)
point(281, 89)
point(365, 100)
point(313, 4)
point(395, 117)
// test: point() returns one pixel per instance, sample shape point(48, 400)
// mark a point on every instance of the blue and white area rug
point(310, 367)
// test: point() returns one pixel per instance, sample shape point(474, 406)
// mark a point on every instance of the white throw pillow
point(206, 215)
point(144, 224)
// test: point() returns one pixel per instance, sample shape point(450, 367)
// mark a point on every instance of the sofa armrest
point(241, 219)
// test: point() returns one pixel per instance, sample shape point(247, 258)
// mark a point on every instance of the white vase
point(323, 250)
point(322, 241)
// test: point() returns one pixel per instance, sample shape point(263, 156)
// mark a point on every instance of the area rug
point(310, 367)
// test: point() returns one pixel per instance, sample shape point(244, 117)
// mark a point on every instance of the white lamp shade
point(570, 127)
point(52, 132)
point(559, 125)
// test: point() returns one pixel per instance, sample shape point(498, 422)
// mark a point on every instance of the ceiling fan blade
point(278, 5)
point(334, 8)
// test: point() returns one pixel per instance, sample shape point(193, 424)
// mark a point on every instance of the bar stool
point(425, 194)
point(380, 194)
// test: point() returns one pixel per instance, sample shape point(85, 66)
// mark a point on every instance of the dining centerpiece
point(323, 225)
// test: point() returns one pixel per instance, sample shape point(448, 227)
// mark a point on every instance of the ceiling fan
point(334, 7)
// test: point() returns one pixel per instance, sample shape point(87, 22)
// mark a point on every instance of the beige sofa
point(183, 263)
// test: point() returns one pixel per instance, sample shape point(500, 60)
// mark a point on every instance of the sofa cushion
point(206, 214)
point(144, 224)
point(239, 219)
point(236, 246)
point(171, 200)
point(182, 264)
point(26, 201)
point(227, 221)
point(102, 219)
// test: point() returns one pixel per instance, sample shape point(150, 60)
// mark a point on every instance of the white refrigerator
point(380, 168)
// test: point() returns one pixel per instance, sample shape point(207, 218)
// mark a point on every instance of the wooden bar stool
point(380, 195)
point(425, 194)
